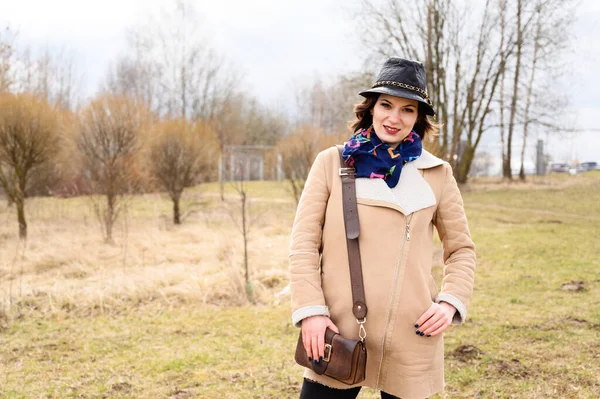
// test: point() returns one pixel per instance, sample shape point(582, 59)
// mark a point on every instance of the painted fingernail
point(416, 325)
point(310, 359)
point(316, 361)
point(320, 358)
point(418, 332)
point(421, 334)
point(428, 335)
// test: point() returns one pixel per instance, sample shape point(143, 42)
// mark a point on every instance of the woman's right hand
point(313, 336)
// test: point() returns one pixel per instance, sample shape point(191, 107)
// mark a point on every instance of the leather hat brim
point(399, 92)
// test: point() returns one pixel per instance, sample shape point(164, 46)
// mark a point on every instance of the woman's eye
point(385, 105)
point(409, 110)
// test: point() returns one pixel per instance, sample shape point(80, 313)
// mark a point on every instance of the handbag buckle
point(347, 171)
point(327, 354)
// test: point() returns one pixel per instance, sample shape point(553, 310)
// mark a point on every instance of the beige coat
point(396, 244)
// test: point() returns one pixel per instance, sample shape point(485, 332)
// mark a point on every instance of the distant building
point(250, 162)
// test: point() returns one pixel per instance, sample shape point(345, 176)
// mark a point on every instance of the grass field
point(162, 313)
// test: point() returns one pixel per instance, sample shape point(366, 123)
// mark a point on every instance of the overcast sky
point(277, 44)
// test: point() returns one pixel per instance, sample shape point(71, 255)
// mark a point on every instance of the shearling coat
point(396, 245)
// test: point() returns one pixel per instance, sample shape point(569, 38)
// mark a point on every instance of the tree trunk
point(249, 291)
point(221, 177)
point(222, 190)
point(522, 170)
point(513, 105)
point(502, 75)
point(19, 194)
point(21, 216)
point(176, 215)
point(296, 190)
point(465, 164)
point(109, 216)
point(456, 123)
point(536, 48)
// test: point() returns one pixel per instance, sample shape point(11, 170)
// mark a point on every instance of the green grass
point(211, 352)
point(527, 337)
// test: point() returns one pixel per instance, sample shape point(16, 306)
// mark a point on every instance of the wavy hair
point(424, 127)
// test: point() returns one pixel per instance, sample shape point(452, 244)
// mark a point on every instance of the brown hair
point(425, 125)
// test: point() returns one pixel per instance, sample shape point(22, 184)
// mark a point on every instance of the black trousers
point(314, 390)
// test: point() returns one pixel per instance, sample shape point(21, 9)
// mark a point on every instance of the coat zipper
point(405, 237)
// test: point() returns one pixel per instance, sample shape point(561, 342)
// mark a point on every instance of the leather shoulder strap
point(347, 174)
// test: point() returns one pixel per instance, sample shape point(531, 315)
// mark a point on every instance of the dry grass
point(65, 265)
point(152, 315)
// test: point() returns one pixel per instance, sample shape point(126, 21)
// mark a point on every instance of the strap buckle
point(362, 333)
point(347, 172)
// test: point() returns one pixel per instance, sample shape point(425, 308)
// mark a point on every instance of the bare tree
point(244, 226)
point(180, 155)
point(503, 55)
point(299, 150)
point(137, 74)
point(461, 64)
point(466, 64)
point(549, 36)
point(7, 59)
point(29, 139)
point(528, 97)
point(507, 172)
point(109, 145)
point(480, 93)
point(51, 75)
point(241, 213)
point(48, 74)
point(171, 68)
point(328, 106)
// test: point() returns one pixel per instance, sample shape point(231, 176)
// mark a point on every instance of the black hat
point(402, 78)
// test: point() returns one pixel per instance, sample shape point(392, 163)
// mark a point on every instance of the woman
point(402, 192)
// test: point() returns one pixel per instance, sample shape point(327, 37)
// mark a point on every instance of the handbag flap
point(342, 357)
point(344, 352)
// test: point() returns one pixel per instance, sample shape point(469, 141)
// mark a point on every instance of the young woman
point(402, 192)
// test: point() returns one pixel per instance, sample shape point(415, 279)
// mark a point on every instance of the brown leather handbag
point(345, 359)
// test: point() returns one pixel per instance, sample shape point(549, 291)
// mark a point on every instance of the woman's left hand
point(435, 320)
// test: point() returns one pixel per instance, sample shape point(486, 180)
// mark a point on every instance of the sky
point(279, 44)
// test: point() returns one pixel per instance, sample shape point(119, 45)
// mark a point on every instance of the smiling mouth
point(390, 130)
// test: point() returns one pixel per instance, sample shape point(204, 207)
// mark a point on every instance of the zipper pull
point(407, 225)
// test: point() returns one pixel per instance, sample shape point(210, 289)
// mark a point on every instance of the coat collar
point(412, 193)
point(425, 161)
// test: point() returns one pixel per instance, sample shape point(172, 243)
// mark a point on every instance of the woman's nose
point(394, 116)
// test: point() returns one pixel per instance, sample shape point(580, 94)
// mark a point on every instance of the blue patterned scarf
point(375, 159)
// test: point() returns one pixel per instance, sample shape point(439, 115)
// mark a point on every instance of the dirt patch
point(121, 387)
point(512, 368)
point(575, 320)
point(181, 394)
point(4, 320)
point(466, 353)
point(76, 274)
point(509, 221)
point(573, 285)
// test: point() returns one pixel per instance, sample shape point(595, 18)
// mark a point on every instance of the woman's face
point(394, 118)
